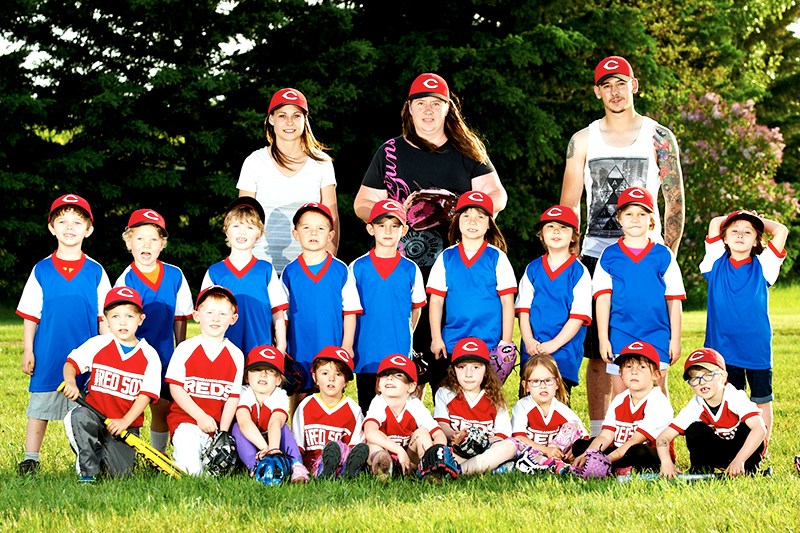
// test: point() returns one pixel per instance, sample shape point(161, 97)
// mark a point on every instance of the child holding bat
point(125, 378)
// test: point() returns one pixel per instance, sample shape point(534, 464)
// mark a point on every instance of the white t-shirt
point(281, 196)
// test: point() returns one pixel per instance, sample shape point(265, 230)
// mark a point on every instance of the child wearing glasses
point(724, 429)
point(545, 427)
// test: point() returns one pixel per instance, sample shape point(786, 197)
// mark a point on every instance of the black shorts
point(591, 344)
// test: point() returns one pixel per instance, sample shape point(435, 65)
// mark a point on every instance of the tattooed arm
point(669, 170)
point(572, 186)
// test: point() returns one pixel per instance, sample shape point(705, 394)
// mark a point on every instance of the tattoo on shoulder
point(571, 148)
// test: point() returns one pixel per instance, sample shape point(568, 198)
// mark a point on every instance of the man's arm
point(572, 185)
point(669, 170)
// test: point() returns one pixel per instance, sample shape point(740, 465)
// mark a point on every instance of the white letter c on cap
point(431, 83)
point(266, 353)
point(290, 95)
point(126, 292)
point(399, 360)
point(152, 215)
point(555, 212)
point(475, 196)
point(342, 354)
point(635, 345)
point(470, 346)
point(70, 198)
point(636, 193)
point(694, 356)
point(611, 64)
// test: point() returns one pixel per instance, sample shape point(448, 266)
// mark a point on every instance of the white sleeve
point(183, 300)
point(519, 418)
point(437, 279)
point(502, 424)
point(121, 279)
point(525, 293)
point(276, 294)
point(771, 261)
point(32, 299)
point(358, 432)
point(151, 381)
point(673, 279)
point(688, 415)
point(377, 410)
point(277, 401)
point(248, 177)
point(328, 175)
point(506, 280)
point(658, 414)
point(84, 354)
point(176, 370)
point(715, 249)
point(207, 281)
point(601, 282)
point(102, 290)
point(298, 424)
point(422, 415)
point(582, 298)
point(443, 397)
point(351, 303)
point(418, 290)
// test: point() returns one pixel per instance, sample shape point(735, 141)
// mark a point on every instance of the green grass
point(150, 502)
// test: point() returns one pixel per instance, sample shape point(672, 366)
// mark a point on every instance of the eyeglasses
point(703, 378)
point(547, 382)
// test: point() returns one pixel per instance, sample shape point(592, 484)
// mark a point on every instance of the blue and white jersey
point(552, 297)
point(165, 301)
point(66, 303)
point(737, 321)
point(258, 294)
point(389, 289)
point(472, 288)
point(640, 286)
point(317, 305)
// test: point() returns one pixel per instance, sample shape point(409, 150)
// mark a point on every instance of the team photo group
point(285, 326)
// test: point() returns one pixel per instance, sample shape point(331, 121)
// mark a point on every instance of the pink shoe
point(299, 473)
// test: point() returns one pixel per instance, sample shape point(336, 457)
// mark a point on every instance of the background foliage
point(138, 103)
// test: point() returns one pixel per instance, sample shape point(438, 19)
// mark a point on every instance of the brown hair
point(463, 139)
point(490, 384)
point(493, 235)
point(403, 377)
point(757, 248)
point(311, 146)
point(64, 209)
point(654, 368)
point(550, 364)
point(574, 242)
point(339, 365)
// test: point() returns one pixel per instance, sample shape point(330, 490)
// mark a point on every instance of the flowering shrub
point(729, 162)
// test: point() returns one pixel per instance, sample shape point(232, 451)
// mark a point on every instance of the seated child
point(205, 379)
point(260, 426)
point(723, 427)
point(125, 377)
point(471, 396)
point(541, 421)
point(635, 417)
point(398, 427)
point(327, 425)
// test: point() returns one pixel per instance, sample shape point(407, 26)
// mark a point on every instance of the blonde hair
point(493, 235)
point(550, 364)
point(127, 235)
point(245, 214)
point(491, 385)
point(310, 145)
point(626, 207)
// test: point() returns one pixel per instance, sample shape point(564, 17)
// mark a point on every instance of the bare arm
point(675, 312)
point(366, 197)
point(662, 447)
point(228, 412)
point(526, 334)
point(251, 432)
point(205, 422)
point(415, 314)
point(602, 315)
point(28, 357)
point(349, 332)
point(507, 303)
point(757, 433)
point(778, 231)
point(327, 197)
point(435, 313)
point(279, 324)
point(490, 184)
point(115, 426)
point(669, 170)
point(569, 330)
point(572, 185)
point(179, 329)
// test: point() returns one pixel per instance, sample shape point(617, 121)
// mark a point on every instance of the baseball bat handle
point(80, 400)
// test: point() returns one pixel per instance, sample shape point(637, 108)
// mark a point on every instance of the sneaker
point(331, 458)
point(528, 462)
point(504, 468)
point(797, 464)
point(86, 480)
point(299, 473)
point(28, 467)
point(356, 460)
point(382, 465)
point(559, 467)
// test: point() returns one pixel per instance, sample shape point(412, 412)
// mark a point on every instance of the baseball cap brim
point(744, 215)
point(622, 77)
point(703, 364)
point(248, 201)
point(121, 301)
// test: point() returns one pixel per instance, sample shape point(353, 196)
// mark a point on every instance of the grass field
point(149, 502)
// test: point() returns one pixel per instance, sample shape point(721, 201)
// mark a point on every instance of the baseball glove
point(503, 357)
point(219, 455)
point(475, 442)
point(294, 376)
point(430, 208)
point(438, 459)
point(597, 465)
point(273, 469)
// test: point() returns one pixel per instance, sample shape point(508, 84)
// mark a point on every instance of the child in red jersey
point(205, 379)
point(125, 378)
point(327, 424)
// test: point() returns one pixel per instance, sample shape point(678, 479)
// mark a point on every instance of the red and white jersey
point(400, 427)
point(209, 377)
point(277, 402)
point(117, 378)
point(734, 410)
point(461, 412)
point(528, 420)
point(649, 417)
point(315, 424)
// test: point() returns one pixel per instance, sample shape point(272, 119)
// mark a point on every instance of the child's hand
point(28, 361)
point(736, 468)
point(547, 348)
point(606, 352)
point(668, 470)
point(206, 424)
point(71, 390)
point(554, 452)
point(405, 462)
point(116, 426)
point(458, 438)
point(579, 461)
point(438, 348)
point(674, 350)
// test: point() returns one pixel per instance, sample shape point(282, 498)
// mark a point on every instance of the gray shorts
point(48, 406)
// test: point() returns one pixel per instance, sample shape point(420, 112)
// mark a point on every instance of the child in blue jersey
point(474, 279)
point(739, 270)
point(323, 298)
point(554, 303)
point(253, 281)
point(61, 305)
point(392, 295)
point(638, 289)
point(167, 302)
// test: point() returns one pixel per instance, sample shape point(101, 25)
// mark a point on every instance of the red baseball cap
point(288, 96)
point(470, 349)
point(123, 295)
point(72, 200)
point(639, 349)
point(337, 353)
point(475, 199)
point(216, 289)
point(636, 196)
point(313, 206)
point(141, 217)
point(429, 84)
point(707, 358)
point(399, 363)
point(388, 207)
point(265, 355)
point(616, 66)
point(248, 201)
point(561, 214)
point(741, 214)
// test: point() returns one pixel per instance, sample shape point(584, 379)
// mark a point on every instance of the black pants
point(708, 451)
point(366, 389)
point(641, 457)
